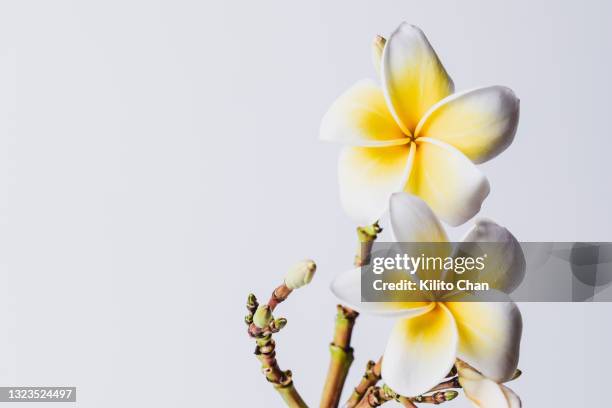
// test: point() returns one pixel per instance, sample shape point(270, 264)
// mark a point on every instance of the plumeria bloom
point(414, 134)
point(430, 335)
point(484, 392)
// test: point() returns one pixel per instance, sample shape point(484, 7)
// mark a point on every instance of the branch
point(366, 235)
point(340, 348)
point(435, 398)
point(376, 396)
point(369, 379)
point(341, 357)
point(262, 325)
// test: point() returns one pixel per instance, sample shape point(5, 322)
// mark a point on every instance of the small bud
point(248, 319)
point(262, 317)
point(450, 395)
point(389, 392)
point(516, 374)
point(300, 274)
point(251, 302)
point(368, 233)
point(377, 50)
point(280, 323)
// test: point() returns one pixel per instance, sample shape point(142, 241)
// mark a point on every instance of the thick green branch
point(366, 236)
point(340, 348)
point(341, 357)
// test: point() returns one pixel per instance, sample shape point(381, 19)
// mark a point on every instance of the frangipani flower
point(429, 336)
point(415, 135)
point(484, 392)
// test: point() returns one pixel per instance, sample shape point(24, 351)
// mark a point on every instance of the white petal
point(484, 393)
point(413, 76)
point(360, 117)
point(347, 288)
point(505, 263)
point(378, 45)
point(368, 177)
point(413, 221)
point(481, 123)
point(513, 400)
point(489, 336)
point(448, 181)
point(420, 352)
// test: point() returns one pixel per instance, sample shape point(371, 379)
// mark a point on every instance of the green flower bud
point(516, 374)
point(279, 323)
point(251, 302)
point(262, 317)
point(450, 395)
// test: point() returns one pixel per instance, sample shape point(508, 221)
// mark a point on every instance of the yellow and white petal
point(481, 123)
point(413, 76)
point(347, 288)
point(413, 221)
point(360, 117)
point(448, 181)
point(505, 263)
point(420, 352)
point(489, 336)
point(369, 175)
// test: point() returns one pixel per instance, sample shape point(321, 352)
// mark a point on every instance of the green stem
point(290, 395)
point(341, 357)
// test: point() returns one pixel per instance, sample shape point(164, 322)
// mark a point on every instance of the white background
point(159, 160)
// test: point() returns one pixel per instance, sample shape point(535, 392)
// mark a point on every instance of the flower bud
point(450, 395)
point(248, 319)
point(377, 50)
point(300, 274)
point(516, 374)
point(279, 323)
point(262, 317)
point(252, 303)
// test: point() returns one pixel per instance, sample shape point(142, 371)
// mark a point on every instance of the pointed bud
point(251, 302)
point(262, 317)
point(279, 323)
point(450, 395)
point(516, 375)
point(368, 233)
point(377, 50)
point(300, 274)
point(248, 319)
